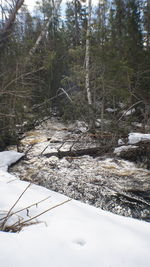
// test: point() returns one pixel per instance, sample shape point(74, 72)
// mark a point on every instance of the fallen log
point(92, 151)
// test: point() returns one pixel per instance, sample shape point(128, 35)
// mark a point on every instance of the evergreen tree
point(134, 39)
point(100, 25)
point(76, 22)
point(118, 25)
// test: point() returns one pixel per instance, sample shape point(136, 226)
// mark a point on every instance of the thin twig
point(45, 148)
point(12, 180)
point(129, 109)
point(28, 207)
point(8, 214)
point(38, 215)
point(52, 98)
point(65, 92)
point(21, 76)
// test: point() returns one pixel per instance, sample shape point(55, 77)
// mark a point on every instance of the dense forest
point(88, 62)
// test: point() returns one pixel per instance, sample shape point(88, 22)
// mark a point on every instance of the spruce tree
point(76, 22)
point(134, 41)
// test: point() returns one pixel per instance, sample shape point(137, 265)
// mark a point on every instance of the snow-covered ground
point(132, 142)
point(135, 138)
point(9, 157)
point(71, 235)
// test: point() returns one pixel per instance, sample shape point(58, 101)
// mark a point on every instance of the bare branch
point(28, 207)
point(45, 211)
point(135, 104)
point(21, 76)
point(8, 26)
point(9, 212)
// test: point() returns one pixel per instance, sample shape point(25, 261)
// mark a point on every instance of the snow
point(71, 235)
point(120, 142)
point(111, 110)
point(137, 124)
point(9, 157)
point(99, 122)
point(130, 112)
point(135, 138)
point(119, 150)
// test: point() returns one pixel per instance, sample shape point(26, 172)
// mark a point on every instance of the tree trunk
point(87, 70)
point(8, 26)
point(102, 105)
point(56, 6)
point(87, 56)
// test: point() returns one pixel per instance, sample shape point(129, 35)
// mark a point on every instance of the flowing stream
point(107, 182)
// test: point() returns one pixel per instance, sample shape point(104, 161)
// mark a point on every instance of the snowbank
point(135, 138)
point(9, 157)
point(71, 235)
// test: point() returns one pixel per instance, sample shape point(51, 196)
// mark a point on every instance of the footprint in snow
point(80, 242)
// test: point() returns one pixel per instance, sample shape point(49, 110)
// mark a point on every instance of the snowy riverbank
point(110, 183)
point(73, 234)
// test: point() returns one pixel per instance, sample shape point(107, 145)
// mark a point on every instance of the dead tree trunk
point(56, 5)
point(8, 26)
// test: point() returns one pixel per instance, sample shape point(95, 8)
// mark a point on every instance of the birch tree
point(87, 55)
point(87, 69)
point(55, 7)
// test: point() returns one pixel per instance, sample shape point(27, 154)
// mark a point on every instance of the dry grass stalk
point(9, 212)
point(21, 222)
point(26, 208)
point(24, 223)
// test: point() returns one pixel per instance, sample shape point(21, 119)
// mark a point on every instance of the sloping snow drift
point(71, 235)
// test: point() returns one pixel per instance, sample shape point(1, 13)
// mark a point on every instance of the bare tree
point(8, 25)
point(56, 4)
